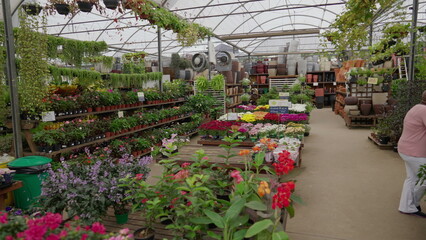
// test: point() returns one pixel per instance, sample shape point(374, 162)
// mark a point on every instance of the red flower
point(273, 117)
point(189, 203)
point(282, 198)
point(144, 200)
point(139, 176)
point(182, 174)
point(183, 192)
point(84, 236)
point(284, 165)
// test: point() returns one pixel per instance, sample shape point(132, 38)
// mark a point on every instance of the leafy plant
point(201, 83)
point(217, 83)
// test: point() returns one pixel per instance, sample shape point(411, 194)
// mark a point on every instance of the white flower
point(298, 108)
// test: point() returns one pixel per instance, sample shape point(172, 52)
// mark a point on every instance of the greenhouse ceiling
point(254, 26)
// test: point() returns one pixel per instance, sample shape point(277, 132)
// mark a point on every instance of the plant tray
point(381, 146)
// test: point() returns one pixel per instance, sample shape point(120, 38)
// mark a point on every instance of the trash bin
point(31, 171)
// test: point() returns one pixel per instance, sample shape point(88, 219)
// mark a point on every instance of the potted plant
point(218, 82)
point(32, 7)
point(62, 6)
point(245, 98)
point(111, 4)
point(86, 5)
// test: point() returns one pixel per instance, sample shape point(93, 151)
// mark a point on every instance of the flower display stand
point(211, 142)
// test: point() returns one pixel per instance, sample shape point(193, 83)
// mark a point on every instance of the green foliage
point(6, 143)
point(85, 78)
point(74, 51)
point(201, 103)
point(134, 67)
point(106, 60)
point(201, 83)
point(32, 49)
point(217, 83)
point(264, 99)
point(132, 80)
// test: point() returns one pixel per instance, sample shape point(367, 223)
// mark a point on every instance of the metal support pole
point(413, 41)
point(160, 52)
point(12, 79)
point(371, 35)
point(208, 61)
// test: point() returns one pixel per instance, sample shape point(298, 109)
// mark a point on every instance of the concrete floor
point(350, 187)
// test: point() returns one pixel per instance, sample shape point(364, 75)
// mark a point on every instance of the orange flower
point(265, 140)
point(244, 152)
point(272, 146)
point(263, 189)
point(235, 127)
point(256, 148)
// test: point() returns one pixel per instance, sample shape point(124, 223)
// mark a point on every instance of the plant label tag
point(48, 116)
point(232, 116)
point(284, 95)
point(373, 80)
point(141, 96)
point(120, 114)
point(334, 83)
point(315, 84)
point(278, 106)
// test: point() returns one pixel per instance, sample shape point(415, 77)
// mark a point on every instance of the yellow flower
point(248, 117)
point(263, 189)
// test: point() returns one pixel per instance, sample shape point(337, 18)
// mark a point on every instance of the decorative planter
point(365, 109)
point(111, 4)
point(63, 9)
point(143, 234)
point(85, 6)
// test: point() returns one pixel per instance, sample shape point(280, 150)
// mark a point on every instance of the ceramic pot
point(379, 109)
point(365, 109)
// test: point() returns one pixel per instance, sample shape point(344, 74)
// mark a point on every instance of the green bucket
point(31, 171)
point(121, 218)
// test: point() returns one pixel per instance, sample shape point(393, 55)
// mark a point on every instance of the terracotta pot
point(135, 153)
point(108, 134)
point(365, 109)
point(309, 78)
point(98, 109)
point(108, 108)
point(103, 109)
point(90, 110)
point(315, 78)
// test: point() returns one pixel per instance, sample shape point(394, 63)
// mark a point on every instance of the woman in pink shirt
point(412, 149)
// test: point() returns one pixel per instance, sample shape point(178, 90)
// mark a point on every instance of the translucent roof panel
point(227, 18)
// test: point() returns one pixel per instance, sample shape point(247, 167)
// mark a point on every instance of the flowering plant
point(217, 128)
point(49, 226)
point(86, 187)
point(262, 107)
point(248, 117)
point(272, 118)
point(294, 117)
point(247, 107)
point(298, 108)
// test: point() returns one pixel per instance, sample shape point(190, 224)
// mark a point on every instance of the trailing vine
point(33, 73)
point(81, 77)
point(132, 80)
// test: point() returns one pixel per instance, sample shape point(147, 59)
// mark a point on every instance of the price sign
point(284, 95)
point(120, 114)
point(141, 96)
point(373, 80)
point(315, 84)
point(334, 83)
point(48, 116)
point(279, 106)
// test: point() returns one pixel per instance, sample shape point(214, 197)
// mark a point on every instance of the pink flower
point(184, 165)
point(97, 227)
point(124, 231)
point(53, 237)
point(84, 236)
point(205, 158)
point(3, 217)
point(183, 192)
point(237, 176)
point(182, 174)
point(9, 238)
point(189, 203)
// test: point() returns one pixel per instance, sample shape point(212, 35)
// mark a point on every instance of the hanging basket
point(111, 4)
point(63, 9)
point(32, 9)
point(85, 6)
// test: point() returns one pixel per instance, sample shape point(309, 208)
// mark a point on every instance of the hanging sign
point(279, 106)
point(141, 96)
point(120, 114)
point(284, 95)
point(373, 80)
point(48, 116)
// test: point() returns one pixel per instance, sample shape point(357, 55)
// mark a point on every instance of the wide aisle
point(351, 188)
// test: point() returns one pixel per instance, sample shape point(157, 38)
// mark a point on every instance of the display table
point(5, 191)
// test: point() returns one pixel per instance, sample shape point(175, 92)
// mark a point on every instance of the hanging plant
point(86, 5)
point(32, 50)
point(111, 4)
point(106, 60)
point(32, 8)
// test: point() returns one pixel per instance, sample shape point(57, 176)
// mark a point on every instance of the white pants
point(412, 193)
